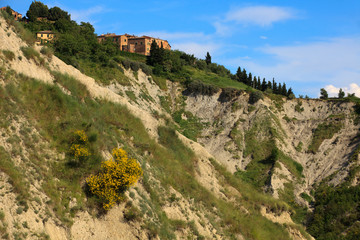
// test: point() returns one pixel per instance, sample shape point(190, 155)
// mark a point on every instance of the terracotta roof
point(46, 31)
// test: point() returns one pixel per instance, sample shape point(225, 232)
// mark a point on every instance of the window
point(135, 43)
point(41, 35)
point(124, 40)
point(140, 43)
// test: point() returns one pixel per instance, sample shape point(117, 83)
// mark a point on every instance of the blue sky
point(307, 44)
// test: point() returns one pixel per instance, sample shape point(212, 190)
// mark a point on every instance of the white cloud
point(84, 15)
point(263, 37)
point(352, 88)
point(259, 15)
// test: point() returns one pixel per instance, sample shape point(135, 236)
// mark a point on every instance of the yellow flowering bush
point(79, 149)
point(115, 177)
point(80, 137)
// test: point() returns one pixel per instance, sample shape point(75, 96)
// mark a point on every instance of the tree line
point(265, 86)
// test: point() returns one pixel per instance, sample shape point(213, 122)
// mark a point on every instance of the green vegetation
point(299, 147)
point(9, 55)
point(190, 125)
point(255, 96)
point(47, 51)
point(306, 197)
point(16, 178)
point(336, 212)
point(31, 53)
point(298, 107)
point(324, 131)
point(213, 79)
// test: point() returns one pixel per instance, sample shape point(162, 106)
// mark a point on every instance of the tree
point(258, 83)
point(57, 13)
point(9, 10)
point(115, 177)
point(323, 94)
point(208, 58)
point(263, 85)
point(274, 86)
point(249, 80)
point(37, 9)
point(341, 93)
point(238, 74)
point(244, 76)
point(284, 90)
point(154, 57)
point(290, 92)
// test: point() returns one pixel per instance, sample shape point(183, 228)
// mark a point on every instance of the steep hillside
point(215, 165)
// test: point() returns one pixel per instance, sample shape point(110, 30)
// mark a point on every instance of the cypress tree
point(208, 58)
point(238, 74)
point(274, 87)
point(249, 79)
point(284, 90)
point(263, 85)
point(254, 83)
point(290, 91)
point(244, 76)
point(258, 83)
point(279, 88)
point(269, 85)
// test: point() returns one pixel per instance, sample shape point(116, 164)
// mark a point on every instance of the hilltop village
point(125, 42)
point(134, 44)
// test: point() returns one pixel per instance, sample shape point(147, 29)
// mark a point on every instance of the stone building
point(16, 15)
point(134, 44)
point(43, 37)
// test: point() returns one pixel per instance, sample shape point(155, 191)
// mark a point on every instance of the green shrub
point(31, 53)
point(322, 132)
point(126, 63)
point(47, 51)
point(298, 107)
point(132, 214)
point(134, 66)
point(9, 55)
point(255, 96)
point(146, 69)
point(299, 147)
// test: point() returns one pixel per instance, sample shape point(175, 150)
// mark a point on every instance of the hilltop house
point(16, 15)
point(134, 44)
point(43, 37)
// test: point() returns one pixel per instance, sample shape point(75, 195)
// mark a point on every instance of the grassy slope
point(57, 115)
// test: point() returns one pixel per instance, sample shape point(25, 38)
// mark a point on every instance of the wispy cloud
point(334, 91)
point(263, 16)
point(86, 15)
point(259, 15)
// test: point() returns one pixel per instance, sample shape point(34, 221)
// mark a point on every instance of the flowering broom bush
point(79, 149)
point(115, 177)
